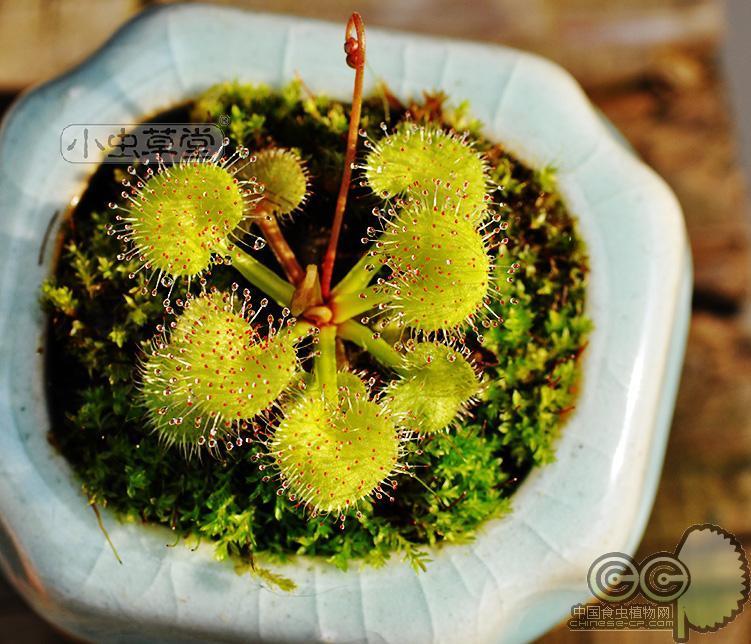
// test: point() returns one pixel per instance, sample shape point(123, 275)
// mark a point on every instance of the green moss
point(101, 323)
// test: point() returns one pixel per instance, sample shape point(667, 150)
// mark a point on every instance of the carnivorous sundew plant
point(244, 368)
point(220, 366)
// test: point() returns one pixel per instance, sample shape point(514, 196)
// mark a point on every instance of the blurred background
point(673, 76)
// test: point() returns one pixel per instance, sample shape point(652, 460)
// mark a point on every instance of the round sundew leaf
point(420, 154)
point(351, 385)
point(437, 385)
point(441, 268)
point(213, 370)
point(332, 456)
point(184, 215)
point(283, 177)
point(173, 417)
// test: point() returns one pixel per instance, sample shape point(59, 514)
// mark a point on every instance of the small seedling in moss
point(213, 370)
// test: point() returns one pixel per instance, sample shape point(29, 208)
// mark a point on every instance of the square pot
point(524, 571)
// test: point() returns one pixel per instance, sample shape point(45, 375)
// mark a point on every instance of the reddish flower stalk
point(273, 235)
point(354, 47)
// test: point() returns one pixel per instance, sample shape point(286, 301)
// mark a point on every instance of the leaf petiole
point(359, 276)
point(378, 348)
point(324, 366)
point(350, 305)
point(263, 278)
point(266, 220)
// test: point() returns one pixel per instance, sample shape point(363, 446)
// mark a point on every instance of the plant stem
point(263, 278)
point(106, 534)
point(378, 348)
point(325, 362)
point(267, 222)
point(358, 277)
point(348, 305)
point(355, 48)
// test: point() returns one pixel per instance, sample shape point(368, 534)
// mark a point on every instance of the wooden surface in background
point(19, 624)
point(666, 96)
point(42, 38)
point(676, 116)
point(598, 40)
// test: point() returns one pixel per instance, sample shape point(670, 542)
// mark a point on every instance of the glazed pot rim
point(523, 568)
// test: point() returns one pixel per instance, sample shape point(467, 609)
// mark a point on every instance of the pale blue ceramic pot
point(523, 572)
